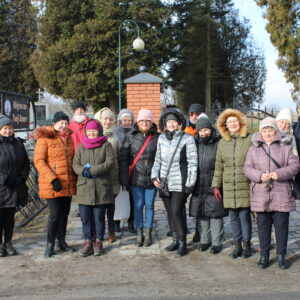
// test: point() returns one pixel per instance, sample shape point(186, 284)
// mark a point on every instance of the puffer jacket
point(203, 202)
point(53, 160)
point(14, 170)
point(99, 190)
point(183, 171)
point(141, 173)
point(230, 159)
point(279, 197)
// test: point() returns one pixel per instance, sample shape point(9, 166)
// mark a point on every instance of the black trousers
point(131, 216)
point(110, 212)
point(264, 227)
point(59, 209)
point(7, 224)
point(175, 207)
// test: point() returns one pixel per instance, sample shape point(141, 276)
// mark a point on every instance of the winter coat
point(14, 170)
point(230, 159)
point(141, 173)
point(121, 133)
point(296, 131)
point(183, 171)
point(99, 190)
point(77, 131)
point(190, 128)
point(53, 160)
point(279, 197)
point(203, 202)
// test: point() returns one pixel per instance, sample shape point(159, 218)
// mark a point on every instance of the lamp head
point(138, 44)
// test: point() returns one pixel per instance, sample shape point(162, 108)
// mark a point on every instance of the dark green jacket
point(94, 191)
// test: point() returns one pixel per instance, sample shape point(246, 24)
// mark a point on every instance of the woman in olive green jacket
point(93, 162)
point(230, 184)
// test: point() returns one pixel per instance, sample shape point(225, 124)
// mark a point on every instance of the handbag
point(122, 205)
point(295, 186)
point(163, 190)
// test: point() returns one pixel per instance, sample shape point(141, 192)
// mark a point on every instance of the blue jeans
point(143, 197)
point(93, 221)
point(241, 225)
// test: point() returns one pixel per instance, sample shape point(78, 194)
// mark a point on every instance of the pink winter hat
point(145, 114)
point(92, 124)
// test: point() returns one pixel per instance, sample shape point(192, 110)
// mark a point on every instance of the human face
point(233, 125)
point(79, 111)
point(92, 133)
point(268, 134)
point(145, 125)
point(7, 130)
point(194, 117)
point(61, 125)
point(126, 122)
point(283, 125)
point(204, 132)
point(172, 125)
point(106, 122)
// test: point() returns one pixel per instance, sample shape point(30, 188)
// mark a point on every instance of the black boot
point(148, 237)
point(247, 252)
point(131, 228)
point(140, 237)
point(196, 237)
point(3, 251)
point(263, 261)
point(174, 245)
point(182, 250)
point(10, 249)
point(49, 250)
point(282, 263)
point(237, 251)
point(63, 246)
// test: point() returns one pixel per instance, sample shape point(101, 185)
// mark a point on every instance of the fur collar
point(47, 132)
point(221, 123)
point(257, 139)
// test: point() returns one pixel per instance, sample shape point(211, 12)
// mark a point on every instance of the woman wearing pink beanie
point(138, 162)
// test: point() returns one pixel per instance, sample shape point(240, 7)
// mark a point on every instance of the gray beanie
point(268, 122)
point(5, 121)
point(125, 113)
point(203, 122)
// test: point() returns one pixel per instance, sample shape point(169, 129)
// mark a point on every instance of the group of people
point(225, 171)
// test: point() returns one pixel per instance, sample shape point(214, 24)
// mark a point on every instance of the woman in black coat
point(14, 170)
point(204, 206)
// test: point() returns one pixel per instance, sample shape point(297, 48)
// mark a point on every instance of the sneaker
point(10, 249)
point(87, 249)
point(98, 248)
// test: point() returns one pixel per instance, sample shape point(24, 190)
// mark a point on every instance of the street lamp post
point(138, 44)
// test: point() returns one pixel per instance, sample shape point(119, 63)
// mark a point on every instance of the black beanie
point(197, 108)
point(203, 122)
point(172, 117)
point(79, 104)
point(60, 115)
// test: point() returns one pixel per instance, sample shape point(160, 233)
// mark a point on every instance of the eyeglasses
point(194, 114)
point(232, 121)
point(145, 121)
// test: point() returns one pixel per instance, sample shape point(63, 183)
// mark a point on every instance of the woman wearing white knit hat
point(284, 123)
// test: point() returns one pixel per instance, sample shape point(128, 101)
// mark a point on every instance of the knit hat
point(268, 122)
point(92, 124)
point(145, 114)
point(60, 115)
point(104, 112)
point(79, 104)
point(285, 114)
point(5, 121)
point(125, 113)
point(172, 117)
point(197, 108)
point(203, 122)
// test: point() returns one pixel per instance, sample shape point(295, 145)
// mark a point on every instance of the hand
point(56, 185)
point(265, 176)
point(188, 189)
point(156, 182)
point(217, 193)
point(274, 176)
point(87, 172)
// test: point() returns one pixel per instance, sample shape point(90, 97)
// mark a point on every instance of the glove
point(56, 185)
point(188, 189)
point(217, 193)
point(87, 172)
point(10, 181)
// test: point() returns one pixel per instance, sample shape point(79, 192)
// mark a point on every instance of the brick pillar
point(143, 91)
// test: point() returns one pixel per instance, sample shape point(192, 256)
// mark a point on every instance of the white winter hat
point(285, 114)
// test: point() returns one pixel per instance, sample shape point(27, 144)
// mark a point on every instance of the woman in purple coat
point(270, 165)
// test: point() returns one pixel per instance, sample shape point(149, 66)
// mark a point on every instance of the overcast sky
point(277, 90)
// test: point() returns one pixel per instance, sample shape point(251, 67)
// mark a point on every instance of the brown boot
point(98, 248)
point(87, 249)
point(111, 236)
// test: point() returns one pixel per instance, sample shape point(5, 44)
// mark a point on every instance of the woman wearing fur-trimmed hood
point(230, 184)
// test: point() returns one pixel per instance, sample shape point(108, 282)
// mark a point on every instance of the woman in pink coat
point(270, 165)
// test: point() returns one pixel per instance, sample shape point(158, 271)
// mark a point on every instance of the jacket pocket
point(81, 182)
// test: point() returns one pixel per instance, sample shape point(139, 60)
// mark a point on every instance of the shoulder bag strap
point(273, 159)
point(140, 153)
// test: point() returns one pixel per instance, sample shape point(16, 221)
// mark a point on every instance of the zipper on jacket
point(54, 169)
point(234, 181)
point(67, 155)
point(203, 183)
point(269, 172)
